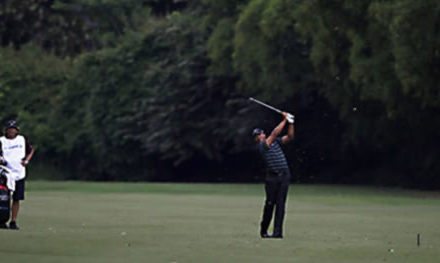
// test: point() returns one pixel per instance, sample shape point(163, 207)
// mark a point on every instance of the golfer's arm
point(274, 134)
point(290, 134)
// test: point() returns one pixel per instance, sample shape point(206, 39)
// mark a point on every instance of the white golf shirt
point(14, 150)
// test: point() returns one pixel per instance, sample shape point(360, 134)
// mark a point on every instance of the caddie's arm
point(2, 160)
point(290, 130)
point(277, 130)
point(29, 153)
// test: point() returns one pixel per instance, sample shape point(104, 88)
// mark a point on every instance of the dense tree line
point(156, 90)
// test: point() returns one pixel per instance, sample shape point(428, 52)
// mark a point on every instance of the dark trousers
point(276, 195)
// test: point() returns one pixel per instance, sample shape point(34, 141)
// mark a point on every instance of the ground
point(139, 222)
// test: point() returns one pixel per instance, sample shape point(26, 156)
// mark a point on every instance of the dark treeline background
point(157, 89)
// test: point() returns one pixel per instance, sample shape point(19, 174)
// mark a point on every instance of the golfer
point(277, 174)
point(17, 152)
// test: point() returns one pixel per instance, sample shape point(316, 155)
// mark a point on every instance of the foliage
point(31, 82)
point(154, 90)
point(146, 99)
point(367, 59)
point(65, 27)
point(268, 54)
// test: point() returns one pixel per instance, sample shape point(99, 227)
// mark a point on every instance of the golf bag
point(5, 197)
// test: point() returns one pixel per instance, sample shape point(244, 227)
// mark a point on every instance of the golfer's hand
point(24, 162)
point(290, 118)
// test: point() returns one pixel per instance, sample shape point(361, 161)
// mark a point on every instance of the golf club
point(265, 105)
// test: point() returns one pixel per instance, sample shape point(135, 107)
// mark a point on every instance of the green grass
point(136, 222)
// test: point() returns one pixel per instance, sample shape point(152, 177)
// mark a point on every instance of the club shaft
point(265, 105)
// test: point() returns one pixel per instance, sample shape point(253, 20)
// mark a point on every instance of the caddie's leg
point(15, 209)
point(17, 196)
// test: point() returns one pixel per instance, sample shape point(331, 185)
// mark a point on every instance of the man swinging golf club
point(277, 174)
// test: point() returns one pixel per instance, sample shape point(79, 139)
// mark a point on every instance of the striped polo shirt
point(273, 156)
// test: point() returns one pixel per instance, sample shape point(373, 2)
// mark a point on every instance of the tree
point(31, 82)
point(268, 54)
point(364, 54)
point(68, 28)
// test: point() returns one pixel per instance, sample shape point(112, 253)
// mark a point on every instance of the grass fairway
point(129, 222)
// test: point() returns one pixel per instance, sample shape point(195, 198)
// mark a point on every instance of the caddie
point(17, 152)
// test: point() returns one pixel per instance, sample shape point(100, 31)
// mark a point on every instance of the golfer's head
point(258, 134)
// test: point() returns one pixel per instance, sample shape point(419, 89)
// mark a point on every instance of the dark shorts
point(18, 194)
